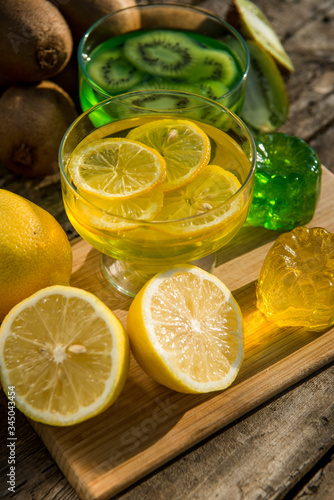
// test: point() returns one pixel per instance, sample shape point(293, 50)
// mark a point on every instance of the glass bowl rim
point(82, 116)
point(165, 5)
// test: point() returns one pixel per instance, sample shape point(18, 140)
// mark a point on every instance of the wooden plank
point(259, 457)
point(149, 424)
point(226, 461)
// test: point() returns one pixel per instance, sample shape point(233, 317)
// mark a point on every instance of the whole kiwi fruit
point(81, 14)
point(34, 118)
point(35, 41)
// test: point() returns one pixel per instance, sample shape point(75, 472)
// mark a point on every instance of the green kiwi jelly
point(162, 59)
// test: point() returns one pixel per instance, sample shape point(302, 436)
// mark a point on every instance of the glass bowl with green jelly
point(287, 182)
point(163, 47)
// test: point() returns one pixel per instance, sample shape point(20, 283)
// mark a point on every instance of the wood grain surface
point(284, 448)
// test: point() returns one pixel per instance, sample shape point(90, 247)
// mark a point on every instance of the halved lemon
point(64, 354)
point(203, 202)
point(116, 168)
point(184, 146)
point(186, 330)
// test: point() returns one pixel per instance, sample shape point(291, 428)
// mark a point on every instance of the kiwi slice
point(213, 89)
point(201, 112)
point(164, 102)
point(217, 65)
point(209, 88)
point(169, 84)
point(252, 23)
point(164, 53)
point(266, 102)
point(111, 71)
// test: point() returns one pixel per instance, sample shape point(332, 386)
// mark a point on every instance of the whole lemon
point(34, 250)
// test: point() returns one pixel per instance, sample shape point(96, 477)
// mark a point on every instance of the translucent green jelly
point(287, 182)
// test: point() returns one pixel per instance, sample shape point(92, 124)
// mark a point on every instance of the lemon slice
point(186, 330)
point(116, 168)
point(202, 203)
point(184, 146)
point(120, 215)
point(65, 354)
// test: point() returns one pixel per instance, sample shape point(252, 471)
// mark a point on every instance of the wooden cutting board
point(149, 424)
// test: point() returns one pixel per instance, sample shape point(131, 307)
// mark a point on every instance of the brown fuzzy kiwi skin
point(34, 118)
point(81, 14)
point(35, 41)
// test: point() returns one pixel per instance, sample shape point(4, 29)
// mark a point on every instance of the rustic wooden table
point(284, 448)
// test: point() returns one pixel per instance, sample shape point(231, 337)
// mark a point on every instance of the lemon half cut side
point(65, 354)
point(186, 330)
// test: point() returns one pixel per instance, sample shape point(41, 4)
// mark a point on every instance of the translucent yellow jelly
point(296, 283)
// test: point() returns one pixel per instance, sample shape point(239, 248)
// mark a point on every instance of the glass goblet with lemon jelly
point(163, 46)
point(167, 178)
